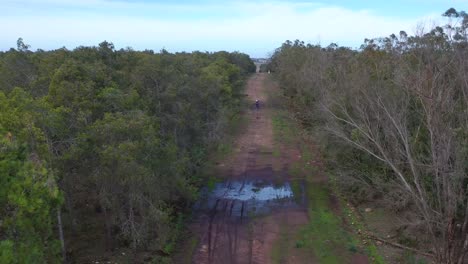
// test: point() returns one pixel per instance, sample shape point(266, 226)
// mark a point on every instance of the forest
point(392, 119)
point(102, 148)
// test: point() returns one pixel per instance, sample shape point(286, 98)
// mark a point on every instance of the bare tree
point(416, 125)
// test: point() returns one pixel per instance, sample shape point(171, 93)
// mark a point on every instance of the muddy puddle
point(246, 198)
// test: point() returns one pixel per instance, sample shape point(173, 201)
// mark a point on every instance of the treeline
point(99, 144)
point(393, 117)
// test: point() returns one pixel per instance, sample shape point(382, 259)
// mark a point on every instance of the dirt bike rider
point(257, 104)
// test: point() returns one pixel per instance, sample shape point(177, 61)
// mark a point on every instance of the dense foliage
point(394, 116)
point(113, 139)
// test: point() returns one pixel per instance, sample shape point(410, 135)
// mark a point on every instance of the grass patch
point(374, 255)
point(211, 182)
point(193, 245)
point(224, 149)
point(281, 246)
point(370, 249)
point(295, 169)
point(276, 152)
point(283, 128)
point(297, 190)
point(324, 234)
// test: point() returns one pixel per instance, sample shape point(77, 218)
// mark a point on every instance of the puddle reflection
point(244, 191)
point(243, 198)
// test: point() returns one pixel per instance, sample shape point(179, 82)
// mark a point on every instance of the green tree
point(28, 193)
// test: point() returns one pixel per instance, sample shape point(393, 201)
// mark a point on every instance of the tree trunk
point(71, 210)
point(62, 240)
point(131, 218)
point(109, 240)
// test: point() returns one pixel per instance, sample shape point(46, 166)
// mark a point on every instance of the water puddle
point(246, 198)
point(245, 191)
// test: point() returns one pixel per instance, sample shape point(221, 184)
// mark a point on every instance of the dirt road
point(243, 217)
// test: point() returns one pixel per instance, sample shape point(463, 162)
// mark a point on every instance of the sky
point(253, 27)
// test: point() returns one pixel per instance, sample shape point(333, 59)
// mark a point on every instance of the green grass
point(295, 169)
point(211, 182)
point(281, 246)
point(283, 128)
point(370, 249)
point(223, 149)
point(324, 234)
point(296, 189)
point(374, 255)
point(193, 246)
point(276, 152)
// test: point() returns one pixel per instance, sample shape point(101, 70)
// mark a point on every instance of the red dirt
point(359, 259)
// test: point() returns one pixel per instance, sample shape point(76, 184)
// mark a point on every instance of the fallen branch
point(373, 237)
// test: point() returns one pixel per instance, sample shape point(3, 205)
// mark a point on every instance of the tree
point(21, 46)
point(29, 196)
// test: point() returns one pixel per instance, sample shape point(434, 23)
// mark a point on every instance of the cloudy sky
point(253, 27)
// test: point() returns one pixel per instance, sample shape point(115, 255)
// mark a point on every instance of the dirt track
point(230, 230)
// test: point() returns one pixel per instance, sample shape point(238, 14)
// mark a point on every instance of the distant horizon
point(254, 28)
point(35, 49)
